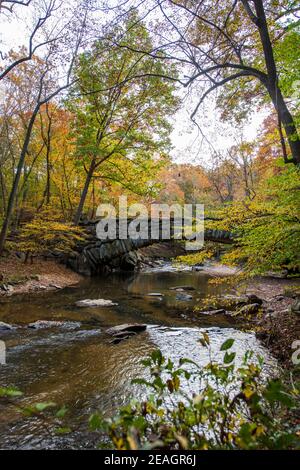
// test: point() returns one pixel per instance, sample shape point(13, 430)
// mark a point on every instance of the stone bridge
point(95, 256)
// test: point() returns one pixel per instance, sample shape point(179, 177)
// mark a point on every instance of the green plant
point(266, 227)
point(50, 414)
point(47, 233)
point(231, 407)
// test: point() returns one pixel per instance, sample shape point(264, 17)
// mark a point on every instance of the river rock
point(126, 328)
point(235, 300)
point(5, 326)
point(155, 294)
point(41, 324)
point(278, 275)
point(184, 297)
point(295, 307)
point(278, 297)
point(250, 309)
point(7, 287)
point(197, 268)
point(219, 311)
point(95, 303)
point(254, 299)
point(122, 332)
point(239, 301)
point(182, 288)
point(130, 261)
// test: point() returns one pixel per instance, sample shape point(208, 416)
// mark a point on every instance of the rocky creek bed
point(85, 356)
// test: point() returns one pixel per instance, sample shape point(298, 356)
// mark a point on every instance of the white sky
point(197, 147)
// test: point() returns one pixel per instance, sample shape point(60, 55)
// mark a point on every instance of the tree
point(8, 5)
point(44, 89)
point(223, 179)
point(231, 43)
point(121, 121)
point(267, 227)
point(184, 183)
point(242, 154)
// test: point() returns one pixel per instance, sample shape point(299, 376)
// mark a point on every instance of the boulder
point(129, 261)
point(5, 326)
point(295, 307)
point(249, 309)
point(126, 329)
point(95, 303)
point(239, 301)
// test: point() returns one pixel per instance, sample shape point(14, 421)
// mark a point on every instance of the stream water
point(75, 365)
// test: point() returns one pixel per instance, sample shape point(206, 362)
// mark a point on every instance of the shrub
point(267, 227)
point(234, 408)
point(47, 234)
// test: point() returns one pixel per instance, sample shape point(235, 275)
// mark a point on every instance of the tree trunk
point(287, 120)
point(272, 84)
point(48, 145)
point(47, 142)
point(3, 191)
point(13, 193)
point(84, 192)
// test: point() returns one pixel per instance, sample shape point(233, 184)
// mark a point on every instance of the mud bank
point(19, 278)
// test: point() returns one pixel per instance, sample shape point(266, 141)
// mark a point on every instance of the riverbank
point(19, 278)
point(278, 326)
point(275, 318)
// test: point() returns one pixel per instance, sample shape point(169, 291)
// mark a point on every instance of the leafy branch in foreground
point(231, 407)
point(50, 415)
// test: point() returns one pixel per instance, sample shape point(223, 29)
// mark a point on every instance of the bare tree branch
point(31, 48)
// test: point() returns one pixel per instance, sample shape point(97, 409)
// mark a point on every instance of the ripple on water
point(91, 374)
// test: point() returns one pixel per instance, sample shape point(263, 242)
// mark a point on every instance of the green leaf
point(61, 431)
point(62, 412)
point(227, 344)
point(44, 406)
point(10, 392)
point(95, 421)
point(157, 357)
point(229, 357)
